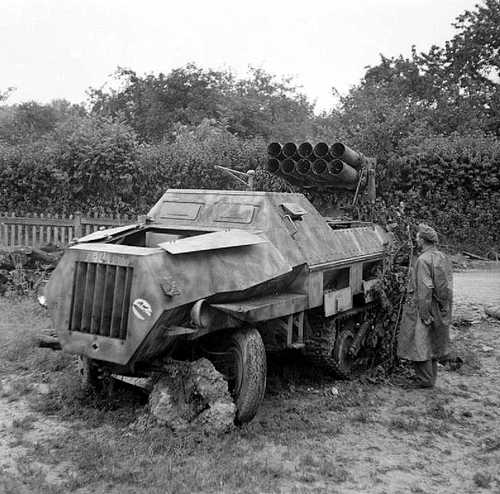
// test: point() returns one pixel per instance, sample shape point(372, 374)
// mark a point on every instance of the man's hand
point(427, 322)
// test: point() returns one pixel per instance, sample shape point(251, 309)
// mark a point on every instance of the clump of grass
point(362, 415)
point(21, 314)
point(70, 400)
point(18, 348)
point(471, 363)
point(160, 461)
point(439, 411)
point(310, 460)
point(410, 425)
point(21, 319)
point(25, 423)
point(333, 471)
point(15, 388)
point(46, 361)
point(482, 480)
point(21, 353)
point(28, 478)
point(435, 420)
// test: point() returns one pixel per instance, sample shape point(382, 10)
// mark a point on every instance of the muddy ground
point(312, 434)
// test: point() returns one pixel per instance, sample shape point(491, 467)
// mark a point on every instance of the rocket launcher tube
point(287, 169)
point(320, 167)
point(303, 167)
point(347, 155)
point(321, 150)
point(305, 150)
point(273, 165)
point(289, 149)
point(335, 173)
point(287, 166)
point(319, 173)
point(343, 172)
point(274, 149)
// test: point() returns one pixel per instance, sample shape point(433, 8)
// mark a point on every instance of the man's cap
point(427, 233)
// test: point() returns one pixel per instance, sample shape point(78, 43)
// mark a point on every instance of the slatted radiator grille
point(101, 299)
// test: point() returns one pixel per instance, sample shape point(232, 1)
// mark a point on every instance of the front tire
point(246, 371)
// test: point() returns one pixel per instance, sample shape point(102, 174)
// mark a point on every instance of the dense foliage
point(431, 119)
point(452, 183)
point(155, 105)
point(83, 162)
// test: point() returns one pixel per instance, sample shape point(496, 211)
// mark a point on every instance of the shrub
point(453, 183)
point(85, 163)
point(97, 165)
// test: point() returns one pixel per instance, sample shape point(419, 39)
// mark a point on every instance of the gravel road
point(473, 290)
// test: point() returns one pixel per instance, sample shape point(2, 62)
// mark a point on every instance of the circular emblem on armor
point(141, 309)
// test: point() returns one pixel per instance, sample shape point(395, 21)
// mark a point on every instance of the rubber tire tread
point(254, 376)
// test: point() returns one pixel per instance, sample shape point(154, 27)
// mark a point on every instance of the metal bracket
point(356, 194)
point(289, 323)
point(180, 331)
point(245, 178)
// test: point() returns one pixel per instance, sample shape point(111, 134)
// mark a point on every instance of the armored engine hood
point(120, 292)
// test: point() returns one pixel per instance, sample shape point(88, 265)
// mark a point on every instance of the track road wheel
point(343, 359)
point(247, 372)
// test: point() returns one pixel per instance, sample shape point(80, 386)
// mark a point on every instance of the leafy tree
point(4, 95)
point(31, 120)
point(262, 105)
point(451, 182)
point(467, 68)
point(84, 163)
point(154, 105)
point(454, 88)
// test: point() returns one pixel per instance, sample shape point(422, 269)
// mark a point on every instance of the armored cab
point(224, 274)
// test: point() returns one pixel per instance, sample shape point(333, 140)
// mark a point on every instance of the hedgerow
point(84, 164)
point(453, 183)
point(97, 165)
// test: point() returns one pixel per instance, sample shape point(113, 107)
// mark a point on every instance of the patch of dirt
point(20, 429)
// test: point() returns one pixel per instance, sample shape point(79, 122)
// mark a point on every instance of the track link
point(321, 338)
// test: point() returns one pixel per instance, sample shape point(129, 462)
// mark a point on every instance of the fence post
point(77, 225)
point(141, 219)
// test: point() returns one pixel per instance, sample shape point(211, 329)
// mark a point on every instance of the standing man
point(425, 327)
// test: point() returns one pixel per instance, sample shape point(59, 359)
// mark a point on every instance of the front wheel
point(245, 368)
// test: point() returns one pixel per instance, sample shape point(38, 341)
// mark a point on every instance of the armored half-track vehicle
point(224, 274)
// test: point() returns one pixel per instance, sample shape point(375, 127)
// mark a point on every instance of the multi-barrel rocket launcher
point(229, 275)
point(322, 166)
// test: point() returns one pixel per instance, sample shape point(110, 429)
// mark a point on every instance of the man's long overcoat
point(430, 297)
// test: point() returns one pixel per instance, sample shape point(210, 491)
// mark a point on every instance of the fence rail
point(37, 230)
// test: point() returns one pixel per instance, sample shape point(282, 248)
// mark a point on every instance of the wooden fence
point(38, 230)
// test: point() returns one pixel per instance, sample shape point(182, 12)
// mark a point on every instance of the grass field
point(312, 434)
